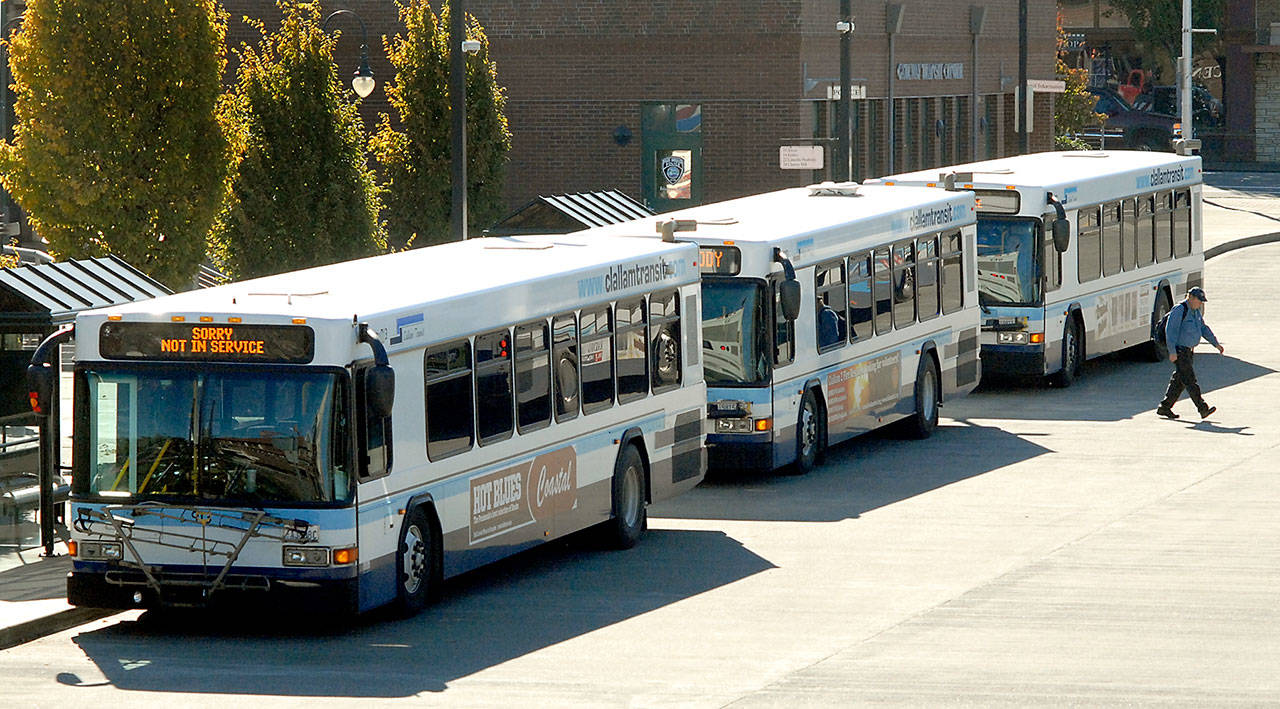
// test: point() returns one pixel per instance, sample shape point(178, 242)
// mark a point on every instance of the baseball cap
point(1198, 292)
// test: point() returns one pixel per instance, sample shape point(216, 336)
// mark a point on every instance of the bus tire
point(628, 514)
point(416, 564)
point(1072, 355)
point(928, 400)
point(810, 430)
point(1156, 350)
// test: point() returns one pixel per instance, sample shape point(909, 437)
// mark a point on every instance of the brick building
point(599, 93)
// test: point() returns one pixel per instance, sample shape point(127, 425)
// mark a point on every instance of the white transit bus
point(1079, 253)
point(351, 435)
point(829, 311)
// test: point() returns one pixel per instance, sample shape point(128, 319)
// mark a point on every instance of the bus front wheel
point(416, 564)
point(1072, 355)
point(809, 434)
point(629, 515)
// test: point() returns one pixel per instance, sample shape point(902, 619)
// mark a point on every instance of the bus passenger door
point(378, 535)
point(785, 406)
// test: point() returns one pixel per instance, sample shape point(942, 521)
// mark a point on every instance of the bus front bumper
point(91, 589)
point(740, 452)
point(1012, 360)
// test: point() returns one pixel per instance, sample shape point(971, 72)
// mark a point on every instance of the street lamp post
point(458, 112)
point(362, 82)
point(459, 48)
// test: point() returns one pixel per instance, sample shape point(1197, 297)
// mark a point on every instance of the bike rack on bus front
point(252, 524)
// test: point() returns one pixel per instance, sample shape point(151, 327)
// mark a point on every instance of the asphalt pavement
point(1046, 546)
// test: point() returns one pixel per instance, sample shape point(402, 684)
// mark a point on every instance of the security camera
point(471, 46)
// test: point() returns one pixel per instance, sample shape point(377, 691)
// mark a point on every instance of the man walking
point(1182, 333)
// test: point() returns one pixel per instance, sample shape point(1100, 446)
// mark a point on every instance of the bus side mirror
point(40, 387)
point(380, 389)
point(1061, 235)
point(789, 297)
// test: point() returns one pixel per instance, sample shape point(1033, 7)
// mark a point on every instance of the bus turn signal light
point(764, 424)
point(1037, 338)
point(345, 556)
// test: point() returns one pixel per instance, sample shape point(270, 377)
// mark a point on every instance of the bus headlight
point(99, 551)
point(306, 556)
point(733, 425)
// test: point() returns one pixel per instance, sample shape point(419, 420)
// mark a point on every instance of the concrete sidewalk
point(33, 596)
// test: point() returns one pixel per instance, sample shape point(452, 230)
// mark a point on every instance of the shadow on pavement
point(517, 606)
point(1112, 388)
point(863, 474)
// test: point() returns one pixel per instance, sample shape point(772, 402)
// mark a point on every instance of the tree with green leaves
point(117, 147)
point(1073, 108)
point(415, 156)
point(303, 194)
point(1158, 23)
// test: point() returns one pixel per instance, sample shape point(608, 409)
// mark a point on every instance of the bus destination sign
point(720, 260)
point(202, 342)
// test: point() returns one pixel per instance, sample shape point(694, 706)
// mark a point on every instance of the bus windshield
point(256, 438)
point(1008, 273)
point(733, 333)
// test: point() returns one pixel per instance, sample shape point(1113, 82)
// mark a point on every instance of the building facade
point(681, 102)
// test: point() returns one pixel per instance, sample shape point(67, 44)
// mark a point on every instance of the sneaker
point(1167, 412)
point(1206, 413)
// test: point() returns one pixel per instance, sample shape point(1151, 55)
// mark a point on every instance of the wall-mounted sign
point(856, 92)
point(800, 157)
point(1047, 86)
point(930, 71)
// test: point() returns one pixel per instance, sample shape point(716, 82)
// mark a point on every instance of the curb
point(50, 624)
point(1241, 243)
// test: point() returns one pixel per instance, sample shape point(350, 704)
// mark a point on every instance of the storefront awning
point(565, 213)
point(53, 293)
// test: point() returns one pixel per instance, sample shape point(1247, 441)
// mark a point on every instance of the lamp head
point(363, 82)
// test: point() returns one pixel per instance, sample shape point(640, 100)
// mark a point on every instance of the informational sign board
point(800, 157)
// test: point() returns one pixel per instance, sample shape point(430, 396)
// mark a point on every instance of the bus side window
point(632, 350)
point(533, 377)
point(904, 283)
point(927, 277)
point(1145, 230)
point(784, 331)
point(1181, 222)
point(882, 291)
point(860, 306)
point(373, 434)
point(493, 386)
point(664, 331)
point(1051, 259)
point(1089, 244)
point(597, 359)
point(1128, 235)
point(564, 355)
point(829, 290)
point(450, 419)
point(1110, 238)
point(1164, 226)
point(952, 272)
